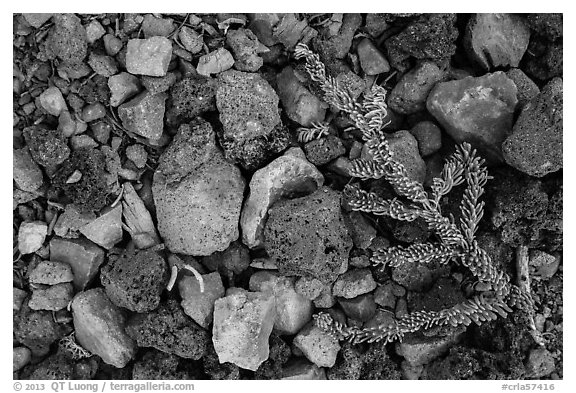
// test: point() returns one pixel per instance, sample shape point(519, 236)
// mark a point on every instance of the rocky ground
point(171, 221)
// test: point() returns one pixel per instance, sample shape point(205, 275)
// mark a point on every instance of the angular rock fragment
point(122, 87)
point(51, 273)
point(200, 305)
point(286, 176)
point(52, 101)
point(150, 56)
point(144, 115)
point(215, 62)
point(138, 219)
point(317, 345)
point(31, 236)
point(371, 59)
point(302, 369)
point(243, 322)
point(106, 230)
point(82, 255)
point(354, 283)
point(99, 327)
point(25, 172)
point(53, 298)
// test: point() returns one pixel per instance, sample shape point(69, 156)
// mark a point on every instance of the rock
point(420, 350)
point(106, 230)
point(496, 40)
point(290, 31)
point(430, 36)
point(94, 31)
point(543, 266)
point(429, 137)
point(547, 24)
point(405, 149)
point(135, 281)
point(360, 228)
point(351, 81)
point(153, 26)
point(137, 154)
point(215, 62)
point(307, 236)
point(53, 298)
point(18, 296)
point(25, 172)
point(191, 97)
point(99, 327)
point(336, 42)
point(293, 310)
point(150, 56)
point(78, 142)
point(361, 308)
point(138, 219)
point(157, 365)
point(476, 110)
point(247, 104)
point(302, 369)
point(112, 44)
point(527, 89)
point(310, 288)
point(36, 330)
point(70, 222)
point(243, 322)
point(21, 356)
point(540, 363)
point(246, 48)
point(288, 175)
point(535, 146)
point(235, 259)
point(52, 101)
point(199, 215)
point(409, 95)
point(416, 276)
point(376, 23)
point(299, 103)
point(38, 19)
point(354, 283)
point(158, 84)
point(103, 65)
point(93, 112)
point(82, 255)
point(191, 40)
point(200, 305)
point(325, 299)
point(31, 236)
point(318, 346)
point(371, 59)
point(122, 87)
point(169, 330)
point(322, 151)
point(47, 147)
point(144, 115)
point(67, 39)
point(51, 273)
point(384, 295)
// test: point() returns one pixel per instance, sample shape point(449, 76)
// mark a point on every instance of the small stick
point(523, 279)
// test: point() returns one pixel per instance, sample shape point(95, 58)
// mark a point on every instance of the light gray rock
point(318, 346)
point(52, 101)
point(82, 255)
point(243, 322)
point(51, 273)
point(70, 222)
point(36, 19)
point(540, 363)
point(138, 219)
point(150, 56)
point(200, 305)
point(31, 236)
point(94, 31)
point(543, 265)
point(21, 356)
point(215, 62)
point(293, 310)
point(354, 283)
point(106, 230)
point(122, 87)
point(287, 175)
point(53, 298)
point(26, 173)
point(99, 327)
point(371, 59)
point(192, 41)
point(144, 115)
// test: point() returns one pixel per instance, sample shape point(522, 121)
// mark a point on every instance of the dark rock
point(156, 365)
point(361, 308)
point(540, 363)
point(37, 330)
point(417, 276)
point(144, 115)
point(95, 90)
point(378, 365)
point(444, 294)
point(405, 149)
point(410, 93)
point(299, 103)
point(246, 47)
point(67, 39)
point(191, 97)
point(361, 229)
point(476, 110)
point(371, 59)
point(535, 146)
point(496, 40)
point(546, 59)
point(273, 367)
point(419, 350)
point(429, 137)
point(527, 89)
point(348, 365)
point(103, 65)
point(302, 369)
point(548, 25)
point(135, 281)
point(91, 191)
point(216, 370)
point(82, 255)
point(307, 236)
point(336, 44)
point(56, 366)
point(376, 24)
point(322, 151)
point(99, 327)
point(169, 330)
point(431, 37)
point(47, 147)
point(290, 31)
point(235, 258)
point(158, 84)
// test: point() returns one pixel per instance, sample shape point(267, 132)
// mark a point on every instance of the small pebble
point(112, 44)
point(93, 112)
point(31, 236)
point(52, 101)
point(94, 31)
point(137, 154)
